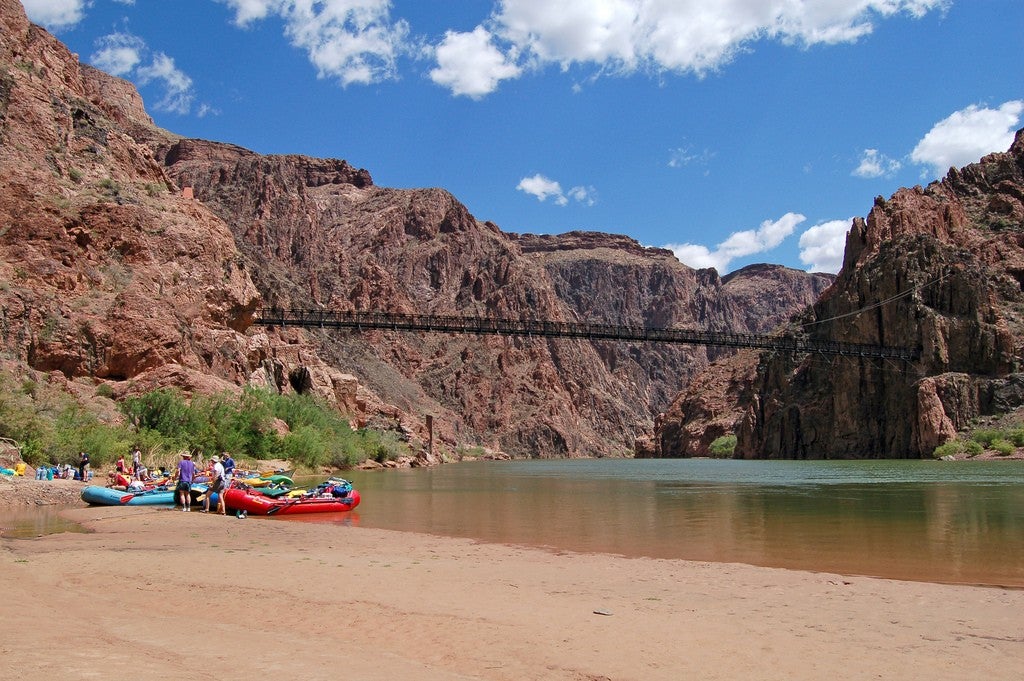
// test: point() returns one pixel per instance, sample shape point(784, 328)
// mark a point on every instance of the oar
point(283, 506)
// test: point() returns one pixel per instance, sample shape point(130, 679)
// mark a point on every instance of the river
point(936, 521)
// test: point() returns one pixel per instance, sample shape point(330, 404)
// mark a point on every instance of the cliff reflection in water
point(929, 521)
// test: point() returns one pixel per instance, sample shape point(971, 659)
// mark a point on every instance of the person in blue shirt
point(229, 468)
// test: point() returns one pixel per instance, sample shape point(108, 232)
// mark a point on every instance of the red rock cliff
point(938, 268)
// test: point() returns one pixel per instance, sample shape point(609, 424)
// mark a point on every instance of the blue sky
point(733, 132)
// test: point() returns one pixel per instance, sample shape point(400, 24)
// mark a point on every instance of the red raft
point(251, 501)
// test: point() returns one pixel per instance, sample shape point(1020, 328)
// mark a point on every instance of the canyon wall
point(939, 269)
point(133, 259)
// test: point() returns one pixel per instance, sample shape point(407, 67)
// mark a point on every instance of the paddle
point(286, 504)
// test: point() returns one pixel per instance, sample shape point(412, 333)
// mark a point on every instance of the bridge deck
point(392, 321)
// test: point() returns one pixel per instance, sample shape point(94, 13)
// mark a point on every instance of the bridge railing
point(396, 321)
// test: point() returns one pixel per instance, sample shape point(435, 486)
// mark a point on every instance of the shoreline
point(314, 599)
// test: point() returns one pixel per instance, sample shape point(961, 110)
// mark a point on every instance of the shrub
point(985, 436)
point(470, 452)
point(1003, 447)
point(973, 448)
point(104, 390)
point(951, 448)
point(723, 447)
point(384, 446)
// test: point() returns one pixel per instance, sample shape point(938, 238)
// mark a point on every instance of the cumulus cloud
point(469, 64)
point(876, 164)
point(545, 188)
point(739, 244)
point(354, 41)
point(118, 53)
point(967, 135)
point(822, 246)
point(623, 36)
point(123, 54)
point(55, 15)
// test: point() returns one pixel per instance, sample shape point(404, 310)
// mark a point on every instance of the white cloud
point(178, 93)
point(739, 244)
point(584, 195)
point(123, 54)
point(700, 257)
point(967, 135)
point(623, 36)
point(684, 156)
point(545, 188)
point(118, 53)
point(822, 246)
point(55, 14)
point(469, 64)
point(205, 110)
point(355, 41)
point(875, 164)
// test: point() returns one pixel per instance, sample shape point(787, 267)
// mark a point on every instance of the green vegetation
point(723, 447)
point(52, 427)
point(470, 452)
point(1002, 440)
point(1003, 447)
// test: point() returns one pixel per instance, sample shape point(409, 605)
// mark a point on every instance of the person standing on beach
point(83, 466)
point(137, 463)
point(216, 486)
point(229, 469)
point(184, 475)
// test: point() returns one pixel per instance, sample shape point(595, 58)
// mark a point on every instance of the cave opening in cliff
point(300, 380)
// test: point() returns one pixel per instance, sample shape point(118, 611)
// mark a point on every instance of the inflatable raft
point(108, 496)
point(251, 501)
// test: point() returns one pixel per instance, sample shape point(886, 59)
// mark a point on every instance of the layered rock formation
point(106, 271)
point(936, 268)
point(136, 258)
point(320, 234)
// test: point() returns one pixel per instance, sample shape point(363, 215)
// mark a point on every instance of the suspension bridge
point(394, 321)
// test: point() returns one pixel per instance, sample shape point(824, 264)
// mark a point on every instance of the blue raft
point(107, 496)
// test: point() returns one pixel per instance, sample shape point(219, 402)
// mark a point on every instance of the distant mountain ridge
point(135, 258)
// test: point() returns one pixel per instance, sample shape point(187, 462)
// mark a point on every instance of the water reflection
point(35, 521)
point(896, 519)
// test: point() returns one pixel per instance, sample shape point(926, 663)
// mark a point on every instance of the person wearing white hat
point(216, 486)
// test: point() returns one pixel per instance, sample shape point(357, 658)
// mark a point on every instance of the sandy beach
point(151, 593)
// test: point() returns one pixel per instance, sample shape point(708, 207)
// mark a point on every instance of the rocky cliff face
point(936, 268)
point(108, 274)
point(320, 233)
point(132, 257)
point(102, 273)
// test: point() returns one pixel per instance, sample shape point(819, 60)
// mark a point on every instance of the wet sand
point(158, 593)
